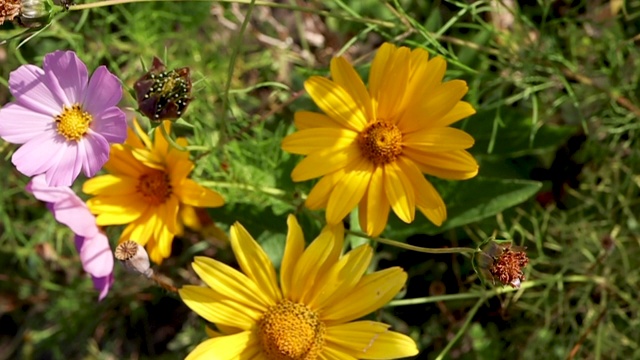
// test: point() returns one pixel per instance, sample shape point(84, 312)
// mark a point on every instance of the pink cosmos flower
point(64, 120)
point(92, 244)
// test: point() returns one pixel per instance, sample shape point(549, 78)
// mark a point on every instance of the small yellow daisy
point(373, 146)
point(309, 315)
point(148, 189)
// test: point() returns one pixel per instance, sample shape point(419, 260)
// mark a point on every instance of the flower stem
point(263, 189)
point(462, 329)
point(452, 250)
point(488, 293)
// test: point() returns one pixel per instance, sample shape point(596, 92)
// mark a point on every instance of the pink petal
point(102, 284)
point(67, 76)
point(73, 212)
point(29, 87)
point(104, 91)
point(67, 168)
point(19, 124)
point(95, 254)
point(94, 152)
point(39, 154)
point(42, 191)
point(111, 124)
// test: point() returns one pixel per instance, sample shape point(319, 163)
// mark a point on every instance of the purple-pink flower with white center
point(64, 120)
point(92, 244)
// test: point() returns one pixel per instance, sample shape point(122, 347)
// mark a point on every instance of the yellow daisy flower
point(309, 315)
point(373, 146)
point(148, 189)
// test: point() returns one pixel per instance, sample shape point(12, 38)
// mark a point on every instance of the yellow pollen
point(73, 123)
point(380, 142)
point(155, 187)
point(291, 331)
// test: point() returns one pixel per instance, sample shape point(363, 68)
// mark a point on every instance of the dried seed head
point(163, 94)
point(134, 258)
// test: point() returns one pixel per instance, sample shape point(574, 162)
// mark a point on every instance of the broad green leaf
point(509, 132)
point(467, 202)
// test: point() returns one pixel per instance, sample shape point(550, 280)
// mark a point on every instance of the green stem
point(486, 294)
point(453, 250)
point(462, 329)
point(304, 9)
point(264, 190)
point(170, 140)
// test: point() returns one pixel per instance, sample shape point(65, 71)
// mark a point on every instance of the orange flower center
point(291, 331)
point(73, 123)
point(155, 187)
point(380, 142)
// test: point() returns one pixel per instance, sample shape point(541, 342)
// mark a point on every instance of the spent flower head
point(163, 94)
point(309, 314)
point(372, 146)
point(92, 244)
point(63, 119)
point(501, 261)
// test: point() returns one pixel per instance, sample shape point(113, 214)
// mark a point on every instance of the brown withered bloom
point(163, 94)
point(9, 9)
point(499, 261)
point(507, 268)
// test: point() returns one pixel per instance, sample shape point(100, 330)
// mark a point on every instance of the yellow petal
point(207, 304)
point(349, 191)
point(370, 340)
point(110, 184)
point(431, 109)
point(310, 120)
point(189, 217)
point(341, 278)
point(137, 137)
point(394, 85)
point(321, 254)
point(244, 345)
point(438, 140)
point(122, 162)
point(400, 193)
point(461, 110)
point(374, 208)
point(232, 284)
point(179, 170)
point(372, 292)
point(334, 353)
point(160, 144)
point(453, 165)
point(428, 201)
point(319, 195)
point(378, 72)
point(419, 59)
point(324, 162)
point(345, 75)
point(192, 193)
point(336, 102)
point(425, 78)
point(254, 262)
point(116, 210)
point(305, 142)
point(168, 213)
point(292, 252)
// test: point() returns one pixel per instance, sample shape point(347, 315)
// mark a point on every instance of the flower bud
point(134, 258)
point(162, 94)
point(498, 260)
point(35, 13)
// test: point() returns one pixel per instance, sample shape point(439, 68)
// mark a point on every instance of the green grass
point(558, 100)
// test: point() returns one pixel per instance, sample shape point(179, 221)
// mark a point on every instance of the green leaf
point(510, 132)
point(467, 202)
